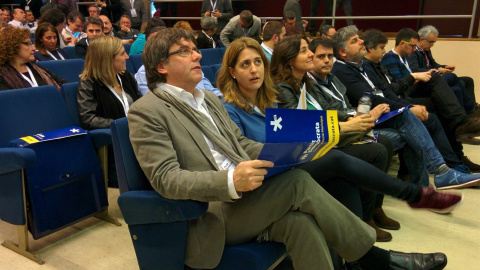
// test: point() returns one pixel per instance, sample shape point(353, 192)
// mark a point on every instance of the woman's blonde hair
point(99, 60)
point(266, 95)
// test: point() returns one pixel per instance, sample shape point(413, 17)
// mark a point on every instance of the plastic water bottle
point(365, 103)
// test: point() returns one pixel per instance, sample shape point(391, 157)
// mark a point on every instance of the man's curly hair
point(10, 41)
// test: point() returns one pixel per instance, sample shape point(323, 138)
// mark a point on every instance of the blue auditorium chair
point(209, 74)
point(136, 60)
point(130, 68)
point(68, 69)
point(49, 185)
point(70, 50)
point(215, 68)
point(210, 57)
point(158, 226)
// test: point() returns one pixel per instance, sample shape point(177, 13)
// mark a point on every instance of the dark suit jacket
point(203, 42)
point(81, 48)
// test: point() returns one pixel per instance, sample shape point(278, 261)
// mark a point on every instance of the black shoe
point(474, 168)
point(417, 261)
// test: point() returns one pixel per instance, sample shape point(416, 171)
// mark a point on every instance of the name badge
point(133, 12)
point(27, 8)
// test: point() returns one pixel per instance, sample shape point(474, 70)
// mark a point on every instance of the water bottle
point(364, 104)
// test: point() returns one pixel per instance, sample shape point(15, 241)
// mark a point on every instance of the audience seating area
point(70, 69)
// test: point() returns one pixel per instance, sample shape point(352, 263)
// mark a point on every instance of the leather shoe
point(475, 168)
point(417, 261)
point(383, 221)
point(382, 236)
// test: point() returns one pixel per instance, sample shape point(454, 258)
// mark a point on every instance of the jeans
point(415, 163)
point(420, 143)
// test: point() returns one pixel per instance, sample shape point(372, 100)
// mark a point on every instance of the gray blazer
point(142, 15)
point(233, 30)
point(179, 164)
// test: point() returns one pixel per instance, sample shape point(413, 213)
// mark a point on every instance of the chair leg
point(23, 246)
point(102, 153)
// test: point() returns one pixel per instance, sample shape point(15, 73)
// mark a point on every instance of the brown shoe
point(384, 222)
point(382, 236)
point(466, 132)
point(474, 168)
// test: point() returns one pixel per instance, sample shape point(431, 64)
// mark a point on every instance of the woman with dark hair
point(57, 18)
point(17, 69)
point(47, 44)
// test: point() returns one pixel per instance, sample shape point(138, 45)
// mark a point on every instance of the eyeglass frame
point(186, 49)
point(27, 43)
point(408, 43)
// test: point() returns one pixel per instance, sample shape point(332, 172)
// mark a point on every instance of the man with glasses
point(422, 60)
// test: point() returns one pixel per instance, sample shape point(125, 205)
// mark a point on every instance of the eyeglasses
point(185, 52)
point(411, 45)
point(29, 43)
point(431, 41)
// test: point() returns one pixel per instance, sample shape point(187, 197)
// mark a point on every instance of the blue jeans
point(414, 163)
point(420, 146)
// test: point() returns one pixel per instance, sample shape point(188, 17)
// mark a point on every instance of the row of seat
point(70, 69)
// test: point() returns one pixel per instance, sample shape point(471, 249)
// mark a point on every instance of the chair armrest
point(14, 159)
point(147, 206)
point(101, 137)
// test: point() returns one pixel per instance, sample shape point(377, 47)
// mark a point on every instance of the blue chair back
point(209, 74)
point(130, 67)
point(127, 48)
point(210, 57)
point(34, 116)
point(130, 175)
point(69, 93)
point(222, 50)
point(70, 50)
point(136, 60)
point(215, 69)
point(68, 69)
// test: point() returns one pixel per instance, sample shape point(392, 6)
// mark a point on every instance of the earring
point(234, 78)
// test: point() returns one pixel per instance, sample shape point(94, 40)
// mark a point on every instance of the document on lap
point(47, 136)
point(391, 114)
point(294, 137)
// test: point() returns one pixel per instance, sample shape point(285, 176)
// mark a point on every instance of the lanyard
point(59, 54)
point(30, 80)
point(210, 38)
point(426, 59)
point(246, 34)
point(86, 41)
point(132, 3)
point(124, 103)
point(405, 63)
point(328, 91)
point(388, 79)
point(214, 6)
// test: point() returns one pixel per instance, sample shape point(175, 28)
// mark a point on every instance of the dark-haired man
point(273, 32)
point(244, 25)
point(359, 78)
point(94, 28)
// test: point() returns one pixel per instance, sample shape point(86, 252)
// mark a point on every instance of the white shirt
point(197, 102)
point(16, 23)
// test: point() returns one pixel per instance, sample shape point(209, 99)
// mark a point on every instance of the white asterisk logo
point(74, 130)
point(276, 123)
